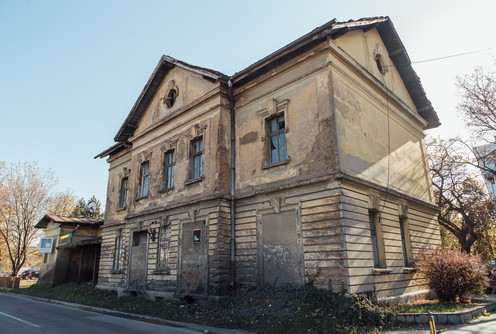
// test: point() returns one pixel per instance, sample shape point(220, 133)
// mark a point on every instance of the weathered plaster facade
point(298, 153)
point(75, 252)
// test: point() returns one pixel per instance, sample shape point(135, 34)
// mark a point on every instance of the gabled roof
point(332, 30)
point(163, 67)
point(83, 222)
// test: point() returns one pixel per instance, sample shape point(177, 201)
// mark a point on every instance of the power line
point(451, 56)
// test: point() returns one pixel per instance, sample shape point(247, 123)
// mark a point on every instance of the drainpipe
point(72, 233)
point(233, 186)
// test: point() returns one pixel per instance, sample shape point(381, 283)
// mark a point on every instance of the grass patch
point(266, 309)
point(26, 283)
point(434, 306)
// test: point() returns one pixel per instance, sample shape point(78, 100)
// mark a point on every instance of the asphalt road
point(20, 315)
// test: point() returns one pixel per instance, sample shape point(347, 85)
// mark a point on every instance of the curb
point(134, 316)
point(446, 318)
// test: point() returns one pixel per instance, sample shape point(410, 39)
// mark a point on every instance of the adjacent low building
point(307, 166)
point(70, 250)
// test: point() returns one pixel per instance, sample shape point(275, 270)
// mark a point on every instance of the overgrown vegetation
point(452, 274)
point(266, 309)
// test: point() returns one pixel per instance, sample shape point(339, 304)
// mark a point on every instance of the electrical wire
point(450, 56)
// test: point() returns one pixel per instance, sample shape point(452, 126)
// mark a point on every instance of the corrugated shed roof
point(67, 221)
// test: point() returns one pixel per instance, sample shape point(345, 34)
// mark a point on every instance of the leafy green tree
point(92, 209)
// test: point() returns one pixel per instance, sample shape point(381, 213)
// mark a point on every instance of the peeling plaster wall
point(190, 87)
point(201, 109)
point(379, 132)
point(204, 115)
point(347, 136)
point(361, 47)
point(311, 142)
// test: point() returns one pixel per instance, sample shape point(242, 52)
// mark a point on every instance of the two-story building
point(307, 166)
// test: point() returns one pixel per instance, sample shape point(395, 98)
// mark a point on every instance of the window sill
point(408, 270)
point(198, 179)
point(120, 209)
point(381, 271)
point(165, 190)
point(137, 199)
point(161, 272)
point(116, 271)
point(279, 163)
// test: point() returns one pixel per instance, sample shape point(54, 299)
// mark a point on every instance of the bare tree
point(25, 195)
point(478, 108)
point(478, 103)
point(466, 210)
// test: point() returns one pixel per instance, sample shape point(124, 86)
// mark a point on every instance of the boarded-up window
point(138, 260)
point(163, 258)
point(281, 256)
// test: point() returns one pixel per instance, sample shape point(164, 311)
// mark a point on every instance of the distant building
point(309, 165)
point(486, 159)
point(70, 250)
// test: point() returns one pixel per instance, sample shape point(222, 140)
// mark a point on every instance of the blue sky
point(70, 71)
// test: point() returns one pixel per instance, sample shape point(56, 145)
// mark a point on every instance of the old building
point(308, 165)
point(70, 250)
point(486, 159)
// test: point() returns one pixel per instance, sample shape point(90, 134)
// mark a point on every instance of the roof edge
point(164, 65)
point(112, 150)
point(67, 220)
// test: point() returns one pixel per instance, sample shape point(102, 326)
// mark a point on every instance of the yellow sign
point(65, 236)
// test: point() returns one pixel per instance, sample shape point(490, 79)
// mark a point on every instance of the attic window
point(380, 64)
point(171, 98)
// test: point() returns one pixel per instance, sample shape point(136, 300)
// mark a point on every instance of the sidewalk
point(482, 325)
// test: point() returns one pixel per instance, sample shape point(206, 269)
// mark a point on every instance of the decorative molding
point(276, 203)
point(402, 210)
point(145, 156)
point(378, 51)
point(196, 131)
point(166, 99)
point(165, 221)
point(192, 214)
point(273, 107)
point(125, 173)
point(374, 202)
point(168, 145)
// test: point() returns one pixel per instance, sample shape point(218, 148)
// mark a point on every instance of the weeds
point(265, 309)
